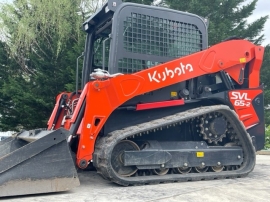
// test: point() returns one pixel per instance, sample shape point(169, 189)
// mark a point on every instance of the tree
point(3, 77)
point(31, 97)
point(267, 138)
point(265, 75)
point(43, 40)
point(226, 18)
point(3, 63)
point(29, 21)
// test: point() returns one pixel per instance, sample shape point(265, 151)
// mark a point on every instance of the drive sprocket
point(213, 127)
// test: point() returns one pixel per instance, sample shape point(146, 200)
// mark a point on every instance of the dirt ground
point(254, 187)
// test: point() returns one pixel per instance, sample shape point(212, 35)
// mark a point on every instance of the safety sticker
point(200, 154)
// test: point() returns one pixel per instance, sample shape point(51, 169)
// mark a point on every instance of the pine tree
point(3, 76)
point(227, 18)
point(31, 98)
point(45, 40)
point(3, 63)
point(265, 75)
point(7, 68)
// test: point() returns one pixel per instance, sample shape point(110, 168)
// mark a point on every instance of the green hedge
point(267, 137)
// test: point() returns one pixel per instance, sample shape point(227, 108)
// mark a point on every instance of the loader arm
point(104, 96)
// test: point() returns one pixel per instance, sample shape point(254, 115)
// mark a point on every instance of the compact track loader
point(156, 105)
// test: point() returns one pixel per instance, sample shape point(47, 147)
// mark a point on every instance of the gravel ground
point(254, 187)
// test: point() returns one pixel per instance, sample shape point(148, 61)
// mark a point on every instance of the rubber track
point(105, 145)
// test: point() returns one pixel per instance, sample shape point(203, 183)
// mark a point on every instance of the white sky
point(262, 9)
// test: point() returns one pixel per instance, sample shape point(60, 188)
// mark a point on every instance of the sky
point(262, 9)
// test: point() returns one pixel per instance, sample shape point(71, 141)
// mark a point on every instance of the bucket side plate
point(42, 166)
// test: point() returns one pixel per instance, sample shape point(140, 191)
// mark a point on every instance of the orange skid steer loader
point(156, 104)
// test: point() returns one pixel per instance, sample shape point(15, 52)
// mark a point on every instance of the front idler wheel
point(117, 160)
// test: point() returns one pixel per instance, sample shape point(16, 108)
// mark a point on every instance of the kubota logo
point(157, 76)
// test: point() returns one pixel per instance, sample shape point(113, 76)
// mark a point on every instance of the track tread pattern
point(105, 145)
